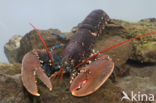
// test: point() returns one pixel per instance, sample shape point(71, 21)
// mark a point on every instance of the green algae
point(143, 48)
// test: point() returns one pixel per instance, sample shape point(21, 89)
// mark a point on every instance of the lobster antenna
point(38, 33)
point(113, 46)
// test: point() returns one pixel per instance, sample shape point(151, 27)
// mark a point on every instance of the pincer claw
point(31, 68)
point(93, 76)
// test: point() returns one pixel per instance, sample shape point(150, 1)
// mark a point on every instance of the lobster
point(46, 65)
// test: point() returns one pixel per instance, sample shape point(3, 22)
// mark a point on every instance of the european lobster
point(46, 64)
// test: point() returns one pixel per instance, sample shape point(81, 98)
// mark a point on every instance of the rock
point(145, 52)
point(108, 93)
point(118, 54)
point(11, 48)
point(11, 89)
point(10, 69)
point(31, 41)
point(148, 20)
point(144, 47)
point(140, 79)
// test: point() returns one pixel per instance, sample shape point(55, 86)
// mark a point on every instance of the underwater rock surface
point(31, 41)
point(10, 69)
point(141, 78)
point(108, 93)
point(115, 53)
point(143, 48)
point(11, 48)
point(12, 91)
point(11, 88)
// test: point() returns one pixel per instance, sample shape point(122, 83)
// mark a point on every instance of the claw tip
point(73, 93)
point(50, 89)
point(37, 94)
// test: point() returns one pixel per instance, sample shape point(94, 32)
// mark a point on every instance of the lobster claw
point(92, 77)
point(31, 68)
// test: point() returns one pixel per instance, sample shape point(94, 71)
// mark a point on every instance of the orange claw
point(92, 77)
point(30, 69)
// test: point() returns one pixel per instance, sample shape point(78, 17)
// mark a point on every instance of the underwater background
point(136, 59)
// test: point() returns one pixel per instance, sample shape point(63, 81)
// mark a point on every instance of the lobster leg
point(58, 46)
point(60, 36)
point(114, 74)
point(31, 68)
point(92, 77)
